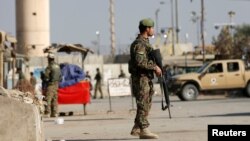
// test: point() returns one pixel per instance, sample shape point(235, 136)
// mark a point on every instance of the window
point(215, 68)
point(232, 66)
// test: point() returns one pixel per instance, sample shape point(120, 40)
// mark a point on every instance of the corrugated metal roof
point(68, 48)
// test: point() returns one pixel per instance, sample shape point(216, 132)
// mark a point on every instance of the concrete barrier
point(19, 121)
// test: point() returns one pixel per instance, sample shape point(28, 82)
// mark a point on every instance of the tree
point(224, 43)
point(242, 41)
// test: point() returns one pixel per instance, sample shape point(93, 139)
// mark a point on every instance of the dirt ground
point(108, 122)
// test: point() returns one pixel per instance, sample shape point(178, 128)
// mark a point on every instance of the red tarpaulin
point(74, 94)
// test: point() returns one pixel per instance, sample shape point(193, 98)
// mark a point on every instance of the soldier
point(20, 74)
point(122, 74)
point(98, 84)
point(142, 68)
point(52, 76)
point(88, 76)
point(23, 84)
point(33, 79)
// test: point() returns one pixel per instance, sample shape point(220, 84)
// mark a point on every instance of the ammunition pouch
point(149, 74)
point(133, 70)
point(142, 72)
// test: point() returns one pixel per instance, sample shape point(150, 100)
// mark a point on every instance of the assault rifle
point(156, 56)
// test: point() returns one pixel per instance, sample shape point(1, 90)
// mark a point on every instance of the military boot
point(135, 131)
point(54, 115)
point(46, 116)
point(146, 134)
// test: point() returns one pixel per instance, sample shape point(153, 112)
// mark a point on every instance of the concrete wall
point(19, 121)
point(90, 64)
point(107, 70)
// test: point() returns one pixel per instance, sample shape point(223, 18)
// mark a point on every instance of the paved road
point(189, 119)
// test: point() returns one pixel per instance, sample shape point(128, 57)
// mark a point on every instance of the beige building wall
point(32, 26)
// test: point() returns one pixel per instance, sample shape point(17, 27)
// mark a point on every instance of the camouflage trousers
point(51, 99)
point(98, 87)
point(142, 88)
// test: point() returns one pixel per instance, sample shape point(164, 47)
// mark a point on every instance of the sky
point(76, 21)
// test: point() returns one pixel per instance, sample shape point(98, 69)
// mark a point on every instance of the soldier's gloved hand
point(158, 71)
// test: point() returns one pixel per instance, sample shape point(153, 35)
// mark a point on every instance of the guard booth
point(9, 59)
point(78, 91)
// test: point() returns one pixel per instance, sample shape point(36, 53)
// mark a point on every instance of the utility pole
point(157, 21)
point(112, 27)
point(202, 31)
point(231, 15)
point(177, 29)
point(98, 41)
point(172, 24)
point(2, 38)
point(195, 19)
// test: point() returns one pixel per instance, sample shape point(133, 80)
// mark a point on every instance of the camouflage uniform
point(98, 85)
point(33, 81)
point(23, 84)
point(53, 76)
point(141, 68)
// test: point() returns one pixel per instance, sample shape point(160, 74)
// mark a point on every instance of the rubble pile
point(24, 86)
point(25, 97)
